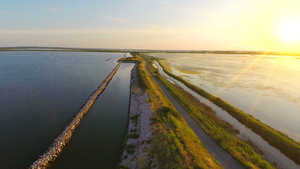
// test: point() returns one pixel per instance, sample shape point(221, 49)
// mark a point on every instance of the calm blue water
point(96, 143)
point(39, 94)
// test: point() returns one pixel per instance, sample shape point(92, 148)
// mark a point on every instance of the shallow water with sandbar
point(265, 86)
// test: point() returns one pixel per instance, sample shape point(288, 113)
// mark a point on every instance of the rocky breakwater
point(62, 140)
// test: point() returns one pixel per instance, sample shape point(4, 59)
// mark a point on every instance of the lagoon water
point(264, 86)
point(272, 154)
point(39, 93)
point(98, 140)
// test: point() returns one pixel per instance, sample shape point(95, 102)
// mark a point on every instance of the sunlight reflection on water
point(271, 153)
point(266, 87)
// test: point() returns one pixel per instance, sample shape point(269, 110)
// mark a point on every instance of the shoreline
point(139, 129)
point(268, 152)
point(244, 86)
point(275, 138)
point(174, 144)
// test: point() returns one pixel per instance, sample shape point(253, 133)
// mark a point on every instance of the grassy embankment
point(174, 144)
point(286, 145)
point(223, 133)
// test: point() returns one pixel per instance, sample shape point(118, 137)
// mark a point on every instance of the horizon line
point(158, 50)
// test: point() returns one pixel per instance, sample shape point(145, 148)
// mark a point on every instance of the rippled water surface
point(266, 87)
point(39, 94)
point(98, 140)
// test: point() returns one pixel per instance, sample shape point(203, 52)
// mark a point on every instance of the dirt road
point(225, 159)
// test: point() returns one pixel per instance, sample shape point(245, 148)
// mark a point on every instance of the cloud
point(3, 12)
point(52, 9)
point(113, 18)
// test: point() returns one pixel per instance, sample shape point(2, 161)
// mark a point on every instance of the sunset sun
point(290, 30)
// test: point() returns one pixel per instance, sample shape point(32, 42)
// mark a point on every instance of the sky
point(149, 24)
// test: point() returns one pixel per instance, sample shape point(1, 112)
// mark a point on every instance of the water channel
point(41, 91)
point(97, 142)
point(271, 153)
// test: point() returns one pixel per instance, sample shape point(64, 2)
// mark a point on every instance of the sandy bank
point(140, 130)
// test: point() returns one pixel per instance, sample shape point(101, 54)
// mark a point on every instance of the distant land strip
point(69, 49)
point(62, 140)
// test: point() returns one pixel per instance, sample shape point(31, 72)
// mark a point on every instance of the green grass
point(128, 59)
point(134, 135)
point(174, 144)
point(130, 148)
point(285, 144)
point(220, 131)
point(134, 118)
point(133, 130)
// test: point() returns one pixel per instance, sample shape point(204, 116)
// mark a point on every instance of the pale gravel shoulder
point(141, 158)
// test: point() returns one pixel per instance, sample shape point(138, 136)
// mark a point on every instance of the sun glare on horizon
point(290, 30)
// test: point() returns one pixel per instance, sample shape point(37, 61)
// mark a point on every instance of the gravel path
point(225, 159)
